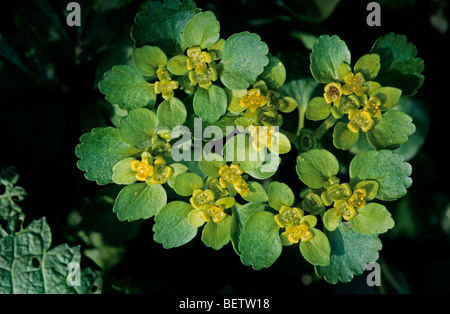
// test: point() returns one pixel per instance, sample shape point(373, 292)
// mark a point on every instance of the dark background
point(48, 78)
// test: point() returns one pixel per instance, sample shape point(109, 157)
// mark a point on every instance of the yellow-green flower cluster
point(201, 67)
point(232, 175)
point(344, 199)
point(348, 98)
point(297, 225)
point(151, 171)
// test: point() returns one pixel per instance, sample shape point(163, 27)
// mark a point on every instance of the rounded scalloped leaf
point(138, 126)
point(139, 201)
point(161, 24)
point(244, 57)
point(318, 109)
point(317, 250)
point(124, 86)
point(280, 194)
point(259, 242)
point(172, 227)
point(369, 65)
point(343, 138)
point(326, 57)
point(186, 183)
point(399, 66)
point(203, 30)
point(171, 113)
point(99, 151)
point(372, 219)
point(217, 235)
point(394, 128)
point(210, 104)
point(148, 60)
point(387, 168)
point(351, 252)
point(316, 166)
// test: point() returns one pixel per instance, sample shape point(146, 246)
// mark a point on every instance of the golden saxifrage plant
point(187, 84)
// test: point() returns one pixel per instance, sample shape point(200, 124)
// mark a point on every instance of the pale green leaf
point(124, 86)
point(260, 243)
point(172, 228)
point(139, 201)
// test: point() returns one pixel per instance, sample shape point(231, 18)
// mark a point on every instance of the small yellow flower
point(262, 137)
point(201, 199)
point(165, 85)
point(143, 168)
point(243, 189)
point(296, 233)
point(198, 59)
point(216, 213)
point(373, 107)
point(354, 84)
point(253, 100)
point(344, 209)
point(358, 198)
point(359, 119)
point(161, 172)
point(230, 175)
point(288, 216)
point(333, 93)
point(336, 192)
point(204, 79)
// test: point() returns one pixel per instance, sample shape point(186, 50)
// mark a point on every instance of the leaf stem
point(324, 127)
point(301, 118)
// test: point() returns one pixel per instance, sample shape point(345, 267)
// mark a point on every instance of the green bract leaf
point(399, 66)
point(238, 149)
point(369, 65)
point(316, 166)
point(202, 30)
point(393, 129)
point(178, 65)
point(186, 183)
point(318, 109)
point(343, 138)
point(99, 151)
point(330, 220)
point(216, 235)
point(317, 250)
point(260, 243)
point(172, 228)
point(148, 60)
point(267, 169)
point(372, 219)
point(210, 164)
point(244, 58)
point(122, 172)
point(274, 73)
point(240, 214)
point(162, 25)
point(171, 113)
point(139, 201)
point(280, 194)
point(326, 57)
point(257, 193)
point(138, 126)
point(389, 97)
point(210, 104)
point(27, 266)
point(124, 86)
point(387, 168)
point(351, 252)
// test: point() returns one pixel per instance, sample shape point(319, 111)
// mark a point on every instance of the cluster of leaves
point(28, 265)
point(237, 85)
